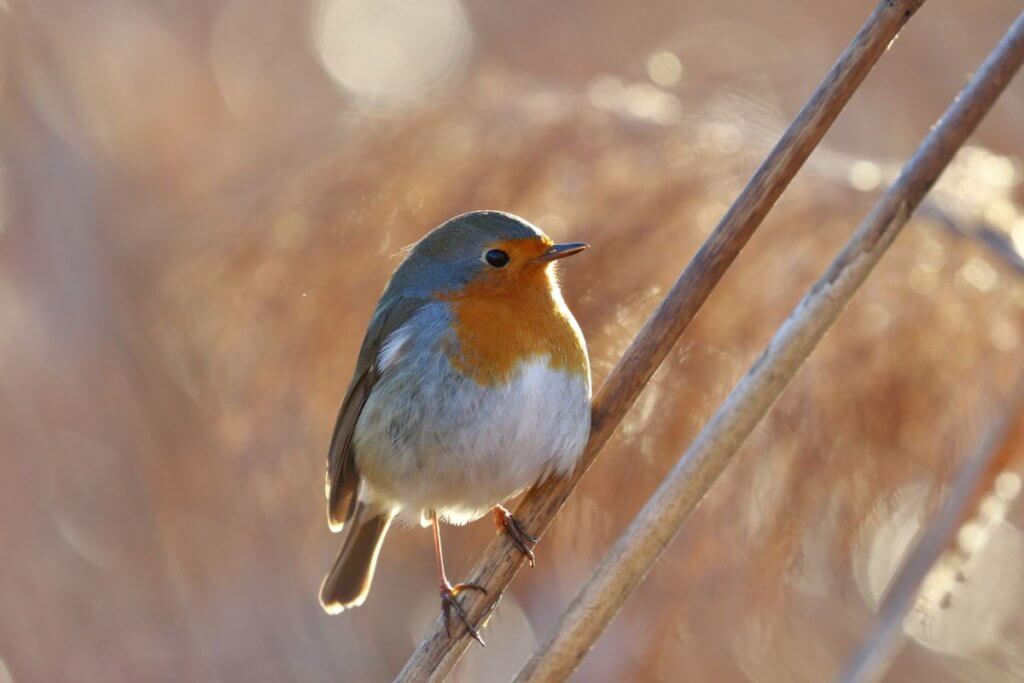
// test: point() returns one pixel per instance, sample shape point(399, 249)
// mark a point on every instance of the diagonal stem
point(638, 548)
point(436, 655)
point(981, 473)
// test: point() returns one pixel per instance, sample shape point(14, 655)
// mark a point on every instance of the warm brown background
point(202, 200)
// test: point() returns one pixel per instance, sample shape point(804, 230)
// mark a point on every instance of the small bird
point(472, 384)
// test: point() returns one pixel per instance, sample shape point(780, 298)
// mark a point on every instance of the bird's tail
point(348, 582)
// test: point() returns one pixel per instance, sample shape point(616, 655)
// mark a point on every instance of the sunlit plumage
point(473, 383)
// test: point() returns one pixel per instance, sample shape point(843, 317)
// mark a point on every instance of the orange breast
point(500, 324)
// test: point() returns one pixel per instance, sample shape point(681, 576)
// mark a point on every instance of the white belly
point(466, 448)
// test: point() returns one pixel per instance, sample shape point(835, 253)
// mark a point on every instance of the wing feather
point(342, 474)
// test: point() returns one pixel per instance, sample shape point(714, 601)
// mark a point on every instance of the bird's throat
point(497, 331)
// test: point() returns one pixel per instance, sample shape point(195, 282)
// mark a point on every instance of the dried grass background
point(196, 221)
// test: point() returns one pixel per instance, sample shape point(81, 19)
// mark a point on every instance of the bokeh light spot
point(865, 175)
point(641, 100)
point(971, 537)
point(1008, 485)
point(993, 508)
point(664, 68)
point(387, 53)
point(979, 274)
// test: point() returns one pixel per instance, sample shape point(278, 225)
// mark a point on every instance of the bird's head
point(484, 252)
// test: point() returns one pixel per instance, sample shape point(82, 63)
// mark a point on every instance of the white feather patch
point(391, 349)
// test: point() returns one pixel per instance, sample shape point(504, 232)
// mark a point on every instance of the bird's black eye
point(496, 258)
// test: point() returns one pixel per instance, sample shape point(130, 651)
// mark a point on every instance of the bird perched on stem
point(472, 384)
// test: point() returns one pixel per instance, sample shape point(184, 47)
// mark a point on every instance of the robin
point(472, 384)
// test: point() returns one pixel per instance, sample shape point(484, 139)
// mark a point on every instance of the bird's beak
point(561, 251)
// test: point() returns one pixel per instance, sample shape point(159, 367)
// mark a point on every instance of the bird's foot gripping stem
point(449, 603)
point(513, 528)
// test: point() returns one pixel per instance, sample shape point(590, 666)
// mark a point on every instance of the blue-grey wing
point(342, 475)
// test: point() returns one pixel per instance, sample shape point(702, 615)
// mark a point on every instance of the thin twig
point(978, 479)
point(998, 242)
point(437, 653)
point(637, 549)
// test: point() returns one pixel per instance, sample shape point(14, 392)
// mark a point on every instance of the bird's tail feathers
point(348, 583)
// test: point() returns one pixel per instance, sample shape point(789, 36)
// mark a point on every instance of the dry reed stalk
point(655, 525)
point(437, 654)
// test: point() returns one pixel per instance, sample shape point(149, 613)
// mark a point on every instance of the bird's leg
point(511, 526)
point(449, 593)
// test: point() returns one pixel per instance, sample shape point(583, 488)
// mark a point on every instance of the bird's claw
point(513, 528)
point(449, 602)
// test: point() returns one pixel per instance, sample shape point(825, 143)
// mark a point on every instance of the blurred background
point(200, 203)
